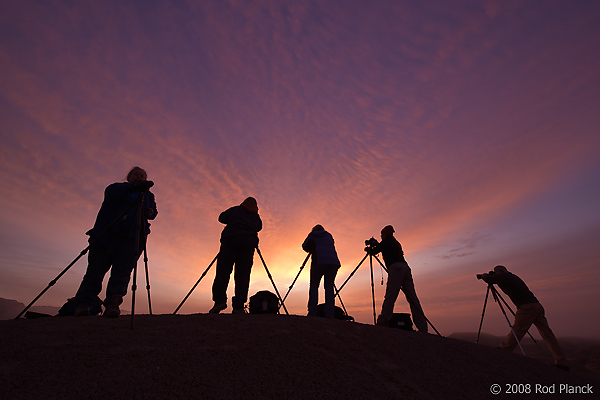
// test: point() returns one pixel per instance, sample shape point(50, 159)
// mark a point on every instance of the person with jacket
point(399, 278)
point(325, 264)
point(529, 312)
point(115, 245)
point(239, 238)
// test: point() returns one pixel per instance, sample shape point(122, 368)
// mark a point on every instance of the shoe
point(83, 310)
point(239, 311)
point(111, 306)
point(217, 308)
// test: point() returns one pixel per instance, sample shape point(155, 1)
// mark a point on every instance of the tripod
point(296, 278)
point(139, 227)
point(211, 264)
point(139, 220)
point(499, 299)
point(371, 256)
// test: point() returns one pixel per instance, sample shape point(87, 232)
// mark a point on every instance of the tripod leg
point(139, 227)
point(295, 279)
point(196, 284)
point(351, 274)
point(340, 298)
point(487, 293)
point(373, 291)
point(53, 281)
point(430, 324)
point(120, 217)
point(133, 289)
point(271, 278)
point(495, 294)
point(380, 263)
point(147, 280)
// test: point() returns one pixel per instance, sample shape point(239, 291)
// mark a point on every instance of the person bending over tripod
point(325, 263)
point(238, 241)
point(399, 278)
point(113, 245)
point(529, 312)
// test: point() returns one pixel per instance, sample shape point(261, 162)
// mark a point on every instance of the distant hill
point(9, 309)
point(583, 354)
point(205, 356)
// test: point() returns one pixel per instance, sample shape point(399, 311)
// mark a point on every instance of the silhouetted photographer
point(529, 312)
point(116, 244)
point(399, 278)
point(238, 241)
point(325, 264)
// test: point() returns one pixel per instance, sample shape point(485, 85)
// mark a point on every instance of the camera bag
point(401, 321)
point(264, 302)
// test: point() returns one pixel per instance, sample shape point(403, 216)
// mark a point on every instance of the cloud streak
point(457, 124)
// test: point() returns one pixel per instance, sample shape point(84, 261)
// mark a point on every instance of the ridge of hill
point(256, 357)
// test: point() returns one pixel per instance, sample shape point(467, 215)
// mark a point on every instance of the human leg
point(124, 261)
point(225, 262)
point(408, 287)
point(316, 272)
point(524, 318)
point(99, 262)
point(394, 284)
point(541, 323)
point(328, 282)
point(244, 258)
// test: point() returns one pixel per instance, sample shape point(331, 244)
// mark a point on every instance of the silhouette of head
point(136, 174)
point(387, 231)
point(318, 228)
point(250, 205)
point(500, 269)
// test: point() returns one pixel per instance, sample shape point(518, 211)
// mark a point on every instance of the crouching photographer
point(529, 312)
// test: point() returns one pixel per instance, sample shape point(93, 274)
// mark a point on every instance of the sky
point(471, 127)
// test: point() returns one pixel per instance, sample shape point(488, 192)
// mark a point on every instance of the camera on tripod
point(480, 276)
point(371, 244)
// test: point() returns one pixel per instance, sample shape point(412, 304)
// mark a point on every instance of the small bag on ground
point(401, 321)
point(264, 302)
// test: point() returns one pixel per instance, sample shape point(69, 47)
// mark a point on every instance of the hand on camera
point(143, 186)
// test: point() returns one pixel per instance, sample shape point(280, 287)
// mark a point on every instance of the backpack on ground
point(401, 321)
point(264, 302)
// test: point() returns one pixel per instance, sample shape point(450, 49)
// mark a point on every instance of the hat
point(388, 230)
point(501, 268)
point(250, 205)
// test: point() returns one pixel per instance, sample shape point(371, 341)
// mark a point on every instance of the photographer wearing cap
point(399, 278)
point(529, 312)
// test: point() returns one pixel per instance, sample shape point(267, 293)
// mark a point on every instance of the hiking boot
point(83, 310)
point(217, 308)
point(111, 306)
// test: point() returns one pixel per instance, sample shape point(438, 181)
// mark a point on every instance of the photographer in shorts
point(529, 312)
point(399, 278)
